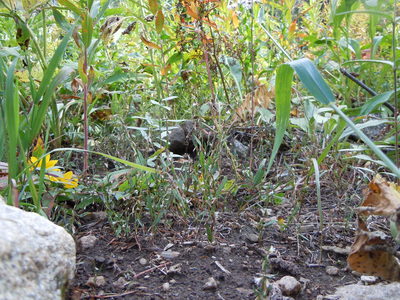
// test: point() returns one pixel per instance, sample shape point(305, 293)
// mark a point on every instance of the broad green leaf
point(283, 89)
point(87, 30)
point(375, 101)
point(312, 80)
point(235, 70)
point(370, 123)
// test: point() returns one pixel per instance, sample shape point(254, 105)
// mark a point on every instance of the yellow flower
point(38, 164)
point(69, 180)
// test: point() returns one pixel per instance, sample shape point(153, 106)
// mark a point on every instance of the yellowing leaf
point(159, 21)
point(149, 44)
point(235, 19)
point(153, 6)
point(261, 98)
point(164, 70)
point(191, 10)
point(23, 76)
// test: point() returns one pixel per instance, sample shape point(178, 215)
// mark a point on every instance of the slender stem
point(252, 85)
point(44, 33)
point(276, 42)
point(396, 106)
point(85, 115)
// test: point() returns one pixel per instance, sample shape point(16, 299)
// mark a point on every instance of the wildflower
point(69, 179)
point(53, 172)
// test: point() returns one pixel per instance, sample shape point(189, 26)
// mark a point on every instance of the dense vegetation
point(113, 78)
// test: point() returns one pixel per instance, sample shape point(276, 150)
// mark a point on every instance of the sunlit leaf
point(149, 44)
point(153, 6)
point(159, 21)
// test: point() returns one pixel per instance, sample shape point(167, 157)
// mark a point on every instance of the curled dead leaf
point(382, 198)
point(262, 98)
point(371, 255)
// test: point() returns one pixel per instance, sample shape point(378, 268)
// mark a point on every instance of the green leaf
point(375, 61)
point(283, 89)
point(71, 6)
point(375, 101)
point(60, 20)
point(120, 160)
point(312, 80)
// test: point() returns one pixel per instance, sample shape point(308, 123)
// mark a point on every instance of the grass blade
point(283, 90)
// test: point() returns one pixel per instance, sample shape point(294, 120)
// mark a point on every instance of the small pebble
point(143, 261)
point(289, 285)
point(96, 281)
point(169, 254)
point(165, 286)
point(252, 237)
point(211, 284)
point(332, 270)
point(120, 283)
point(87, 241)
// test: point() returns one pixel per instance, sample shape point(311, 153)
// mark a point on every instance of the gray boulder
point(367, 292)
point(37, 257)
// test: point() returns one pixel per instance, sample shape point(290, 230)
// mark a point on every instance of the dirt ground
point(177, 262)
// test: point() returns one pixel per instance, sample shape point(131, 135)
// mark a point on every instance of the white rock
point(165, 286)
point(369, 279)
point(143, 261)
point(369, 292)
point(37, 257)
point(169, 254)
point(332, 270)
point(289, 285)
point(211, 284)
point(88, 241)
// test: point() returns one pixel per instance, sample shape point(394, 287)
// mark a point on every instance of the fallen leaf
point(383, 198)
point(371, 255)
point(262, 98)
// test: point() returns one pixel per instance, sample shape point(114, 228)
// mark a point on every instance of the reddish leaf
point(149, 44)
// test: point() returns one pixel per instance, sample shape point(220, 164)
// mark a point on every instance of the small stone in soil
point(332, 270)
point(120, 283)
point(143, 261)
point(169, 254)
point(288, 285)
point(165, 286)
point(96, 281)
point(175, 269)
point(87, 241)
point(252, 237)
point(211, 284)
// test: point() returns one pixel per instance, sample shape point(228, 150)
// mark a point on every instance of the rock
point(120, 283)
point(332, 270)
point(252, 237)
point(143, 261)
point(37, 257)
point(88, 241)
point(96, 281)
point(369, 279)
point(169, 254)
point(245, 292)
point(211, 284)
point(368, 292)
point(175, 269)
point(238, 148)
point(181, 140)
point(165, 287)
point(288, 285)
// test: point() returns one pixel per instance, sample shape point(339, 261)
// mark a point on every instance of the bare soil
point(134, 267)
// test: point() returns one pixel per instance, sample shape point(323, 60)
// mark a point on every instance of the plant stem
point(396, 106)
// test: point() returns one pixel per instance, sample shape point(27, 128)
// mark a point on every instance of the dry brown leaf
point(262, 98)
point(371, 255)
point(383, 198)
